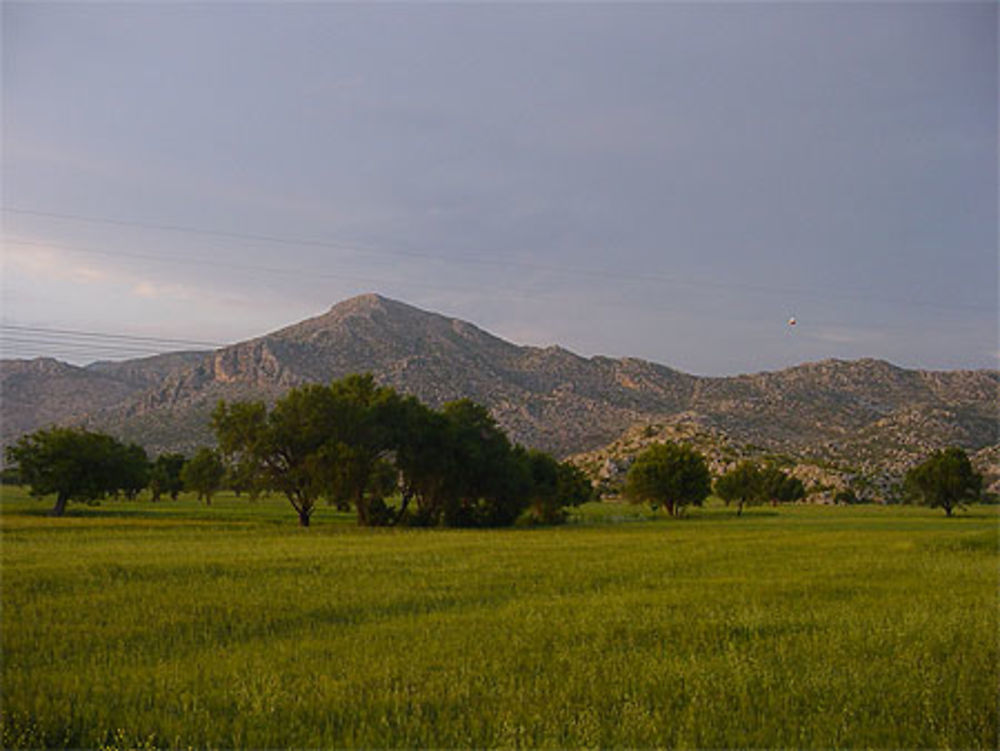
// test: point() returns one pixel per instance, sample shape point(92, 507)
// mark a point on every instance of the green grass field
point(139, 625)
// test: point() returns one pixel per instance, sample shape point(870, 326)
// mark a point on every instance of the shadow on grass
point(168, 516)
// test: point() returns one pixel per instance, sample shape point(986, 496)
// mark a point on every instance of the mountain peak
point(367, 301)
point(372, 302)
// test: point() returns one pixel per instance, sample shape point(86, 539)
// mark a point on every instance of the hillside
point(864, 413)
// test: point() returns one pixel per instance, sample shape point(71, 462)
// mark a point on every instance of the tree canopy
point(358, 443)
point(203, 474)
point(742, 485)
point(749, 484)
point(165, 476)
point(77, 465)
point(669, 474)
point(945, 480)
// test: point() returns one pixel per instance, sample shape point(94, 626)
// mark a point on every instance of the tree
point(488, 483)
point(355, 442)
point(133, 468)
point(748, 484)
point(743, 484)
point(845, 496)
point(317, 441)
point(165, 476)
point(672, 475)
point(945, 480)
point(425, 457)
point(362, 429)
point(203, 474)
point(543, 497)
point(283, 446)
point(554, 486)
point(74, 464)
point(575, 487)
point(778, 487)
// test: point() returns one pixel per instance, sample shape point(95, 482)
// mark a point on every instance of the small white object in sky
point(791, 321)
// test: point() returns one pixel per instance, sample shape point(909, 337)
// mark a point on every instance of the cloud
point(153, 291)
point(847, 336)
point(43, 264)
point(49, 263)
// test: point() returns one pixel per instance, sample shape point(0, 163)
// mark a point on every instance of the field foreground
point(172, 625)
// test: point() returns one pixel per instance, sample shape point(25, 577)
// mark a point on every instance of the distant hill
point(865, 411)
point(43, 391)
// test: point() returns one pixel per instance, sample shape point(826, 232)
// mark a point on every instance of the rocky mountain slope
point(864, 412)
point(36, 393)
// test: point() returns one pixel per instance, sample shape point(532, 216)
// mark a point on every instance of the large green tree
point(75, 465)
point(317, 441)
point(165, 476)
point(134, 470)
point(426, 459)
point(945, 480)
point(742, 485)
point(749, 484)
point(488, 483)
point(554, 487)
point(669, 474)
point(363, 430)
point(287, 446)
point(203, 474)
point(358, 443)
point(780, 487)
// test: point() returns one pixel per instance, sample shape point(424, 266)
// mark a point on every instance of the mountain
point(544, 397)
point(865, 411)
point(43, 391)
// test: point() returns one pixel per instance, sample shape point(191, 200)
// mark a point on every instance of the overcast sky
point(666, 181)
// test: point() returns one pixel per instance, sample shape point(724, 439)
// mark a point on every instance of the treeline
point(353, 444)
point(357, 444)
point(396, 461)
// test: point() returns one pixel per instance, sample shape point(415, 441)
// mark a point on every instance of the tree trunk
point(60, 506)
point(739, 509)
point(304, 518)
point(947, 510)
point(402, 507)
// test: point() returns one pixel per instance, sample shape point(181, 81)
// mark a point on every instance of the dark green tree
point(362, 432)
point(845, 496)
point(554, 487)
point(286, 447)
point(165, 476)
point(945, 480)
point(239, 427)
point(575, 488)
point(543, 496)
point(779, 487)
point(742, 485)
point(426, 458)
point(668, 474)
point(488, 483)
point(134, 470)
point(203, 474)
point(317, 441)
point(75, 465)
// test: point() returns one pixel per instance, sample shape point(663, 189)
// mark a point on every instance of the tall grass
point(135, 626)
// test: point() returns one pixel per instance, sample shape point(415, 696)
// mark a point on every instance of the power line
point(126, 338)
point(75, 347)
point(562, 270)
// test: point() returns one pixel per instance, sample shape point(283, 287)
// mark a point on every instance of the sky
point(668, 181)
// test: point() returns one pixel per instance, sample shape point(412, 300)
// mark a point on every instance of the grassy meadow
point(172, 625)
